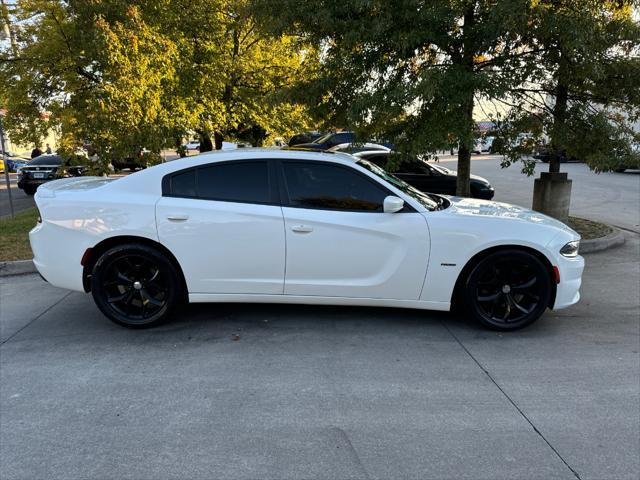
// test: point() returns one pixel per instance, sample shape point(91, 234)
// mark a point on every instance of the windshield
point(323, 138)
point(440, 169)
point(430, 202)
point(46, 160)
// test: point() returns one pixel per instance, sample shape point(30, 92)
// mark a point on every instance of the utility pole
point(6, 167)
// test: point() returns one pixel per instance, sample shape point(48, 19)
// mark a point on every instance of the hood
point(473, 177)
point(485, 208)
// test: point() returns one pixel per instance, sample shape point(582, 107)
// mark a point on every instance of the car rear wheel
point(508, 290)
point(135, 285)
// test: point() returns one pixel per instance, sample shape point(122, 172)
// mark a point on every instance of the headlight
point(570, 249)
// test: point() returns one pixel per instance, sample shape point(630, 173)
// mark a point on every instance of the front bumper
point(568, 290)
point(485, 193)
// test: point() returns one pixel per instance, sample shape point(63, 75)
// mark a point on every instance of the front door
point(339, 241)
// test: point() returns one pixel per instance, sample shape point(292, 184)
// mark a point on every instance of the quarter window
point(331, 187)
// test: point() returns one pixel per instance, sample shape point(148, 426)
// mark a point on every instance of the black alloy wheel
point(135, 285)
point(508, 290)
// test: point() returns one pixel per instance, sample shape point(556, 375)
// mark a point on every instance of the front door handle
point(302, 229)
point(177, 217)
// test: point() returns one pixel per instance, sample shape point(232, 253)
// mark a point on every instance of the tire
point(508, 290)
point(30, 190)
point(135, 286)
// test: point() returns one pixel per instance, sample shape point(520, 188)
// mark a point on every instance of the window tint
point(46, 160)
point(325, 186)
point(235, 182)
point(379, 160)
point(342, 137)
point(184, 184)
point(413, 166)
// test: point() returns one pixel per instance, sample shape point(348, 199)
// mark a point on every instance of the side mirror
point(392, 204)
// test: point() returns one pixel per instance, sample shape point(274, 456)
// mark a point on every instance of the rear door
point(339, 241)
point(224, 224)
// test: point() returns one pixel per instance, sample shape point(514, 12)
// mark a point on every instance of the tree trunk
point(205, 143)
point(217, 136)
point(559, 117)
point(464, 171)
point(466, 111)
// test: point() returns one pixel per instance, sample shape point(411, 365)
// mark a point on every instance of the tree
point(582, 95)
point(410, 71)
point(122, 75)
point(584, 92)
point(231, 74)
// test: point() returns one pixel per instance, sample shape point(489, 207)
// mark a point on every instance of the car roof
point(366, 153)
point(150, 178)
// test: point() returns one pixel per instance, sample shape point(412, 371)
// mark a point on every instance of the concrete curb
point(19, 267)
point(614, 239)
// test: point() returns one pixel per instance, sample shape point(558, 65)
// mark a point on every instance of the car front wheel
point(508, 290)
point(135, 285)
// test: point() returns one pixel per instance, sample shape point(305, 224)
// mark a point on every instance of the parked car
point(334, 229)
point(305, 137)
point(325, 142)
point(429, 177)
point(13, 164)
point(192, 145)
point(483, 145)
point(13, 161)
point(43, 169)
point(545, 156)
point(358, 147)
point(136, 161)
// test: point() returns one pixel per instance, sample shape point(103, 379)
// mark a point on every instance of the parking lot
point(281, 392)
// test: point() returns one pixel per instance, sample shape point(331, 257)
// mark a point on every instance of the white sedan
point(283, 226)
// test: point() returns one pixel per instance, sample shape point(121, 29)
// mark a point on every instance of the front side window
point(331, 187)
point(429, 202)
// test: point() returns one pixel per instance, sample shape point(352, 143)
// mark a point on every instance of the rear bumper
point(54, 259)
point(568, 290)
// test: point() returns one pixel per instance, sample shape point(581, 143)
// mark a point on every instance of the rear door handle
point(177, 217)
point(302, 229)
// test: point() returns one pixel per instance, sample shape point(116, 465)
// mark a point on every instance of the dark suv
point(43, 169)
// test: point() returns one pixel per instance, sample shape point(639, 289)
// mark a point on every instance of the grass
point(14, 235)
point(588, 229)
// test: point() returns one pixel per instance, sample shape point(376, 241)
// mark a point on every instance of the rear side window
point(241, 182)
point(331, 187)
point(235, 182)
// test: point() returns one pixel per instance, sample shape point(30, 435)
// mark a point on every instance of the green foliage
point(583, 90)
point(122, 75)
point(412, 71)
point(409, 71)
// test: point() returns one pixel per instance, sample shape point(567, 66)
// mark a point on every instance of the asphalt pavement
point(241, 391)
